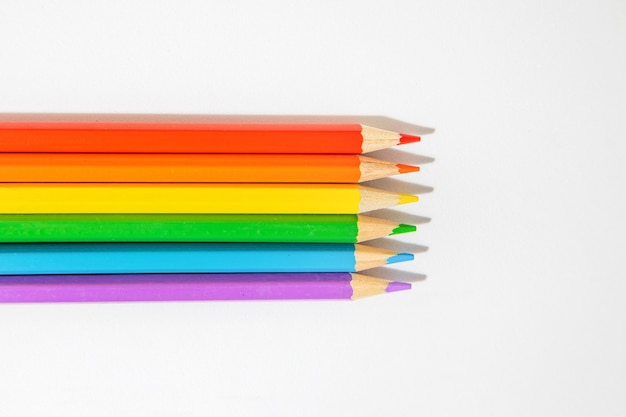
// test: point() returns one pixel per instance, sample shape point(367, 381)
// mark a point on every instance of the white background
point(523, 309)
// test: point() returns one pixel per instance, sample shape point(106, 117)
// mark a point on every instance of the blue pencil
point(128, 258)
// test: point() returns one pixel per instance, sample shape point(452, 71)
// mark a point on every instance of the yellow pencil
point(28, 198)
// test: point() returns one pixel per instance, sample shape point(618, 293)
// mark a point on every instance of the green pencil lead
point(403, 228)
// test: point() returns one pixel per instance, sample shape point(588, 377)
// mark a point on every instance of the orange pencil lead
point(403, 169)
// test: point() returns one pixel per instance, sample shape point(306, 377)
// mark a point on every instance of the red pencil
point(193, 137)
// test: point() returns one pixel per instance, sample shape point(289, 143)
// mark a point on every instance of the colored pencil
point(278, 168)
point(314, 228)
point(150, 137)
point(192, 287)
point(129, 258)
point(25, 198)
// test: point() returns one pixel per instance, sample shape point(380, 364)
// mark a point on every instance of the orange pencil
point(232, 168)
point(193, 137)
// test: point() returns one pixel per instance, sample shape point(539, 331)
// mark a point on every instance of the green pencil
point(318, 228)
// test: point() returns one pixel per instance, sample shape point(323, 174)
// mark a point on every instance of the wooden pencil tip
point(409, 138)
point(366, 286)
point(407, 198)
point(403, 169)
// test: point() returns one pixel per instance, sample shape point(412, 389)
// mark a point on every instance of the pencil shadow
point(399, 186)
point(397, 216)
point(397, 246)
point(382, 122)
point(394, 274)
point(401, 157)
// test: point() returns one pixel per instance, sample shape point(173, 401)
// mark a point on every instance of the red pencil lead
point(409, 138)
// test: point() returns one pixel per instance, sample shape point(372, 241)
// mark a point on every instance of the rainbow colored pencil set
point(95, 210)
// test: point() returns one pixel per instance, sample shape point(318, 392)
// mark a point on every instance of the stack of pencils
point(94, 210)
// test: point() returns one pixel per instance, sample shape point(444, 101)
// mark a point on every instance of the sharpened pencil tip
point(398, 286)
point(403, 169)
point(407, 198)
point(403, 228)
point(401, 257)
point(409, 138)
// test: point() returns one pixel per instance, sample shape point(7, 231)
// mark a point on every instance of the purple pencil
point(192, 287)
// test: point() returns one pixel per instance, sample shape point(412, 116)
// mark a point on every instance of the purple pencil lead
point(398, 286)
